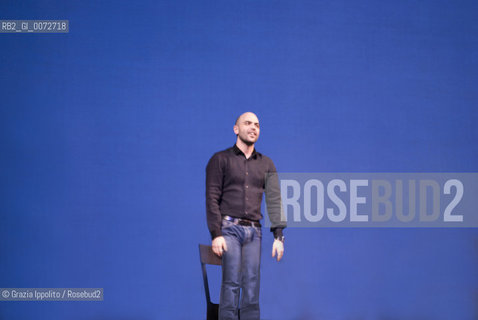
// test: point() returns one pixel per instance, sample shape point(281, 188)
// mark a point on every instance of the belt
point(243, 222)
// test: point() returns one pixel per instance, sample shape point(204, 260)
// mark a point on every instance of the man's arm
point(214, 182)
point(275, 210)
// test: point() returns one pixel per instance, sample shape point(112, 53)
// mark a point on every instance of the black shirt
point(235, 185)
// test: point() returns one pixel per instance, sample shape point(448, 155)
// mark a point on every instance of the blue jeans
point(240, 269)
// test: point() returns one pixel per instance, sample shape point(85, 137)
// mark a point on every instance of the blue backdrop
point(106, 132)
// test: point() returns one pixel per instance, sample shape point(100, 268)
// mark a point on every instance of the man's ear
point(236, 129)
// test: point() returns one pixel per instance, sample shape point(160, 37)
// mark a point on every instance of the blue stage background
point(106, 132)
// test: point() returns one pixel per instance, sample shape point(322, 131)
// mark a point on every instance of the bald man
point(236, 180)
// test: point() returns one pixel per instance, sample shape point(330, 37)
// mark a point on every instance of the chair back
point(208, 256)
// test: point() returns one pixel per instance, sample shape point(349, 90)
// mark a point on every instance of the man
point(236, 179)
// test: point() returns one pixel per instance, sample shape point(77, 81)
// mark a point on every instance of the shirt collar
point(238, 151)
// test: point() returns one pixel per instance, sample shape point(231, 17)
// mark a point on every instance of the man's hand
point(278, 247)
point(219, 245)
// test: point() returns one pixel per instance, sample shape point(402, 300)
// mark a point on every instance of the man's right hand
point(219, 245)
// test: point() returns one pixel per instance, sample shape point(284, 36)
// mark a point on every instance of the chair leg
point(212, 311)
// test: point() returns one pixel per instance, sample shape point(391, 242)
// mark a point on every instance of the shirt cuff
point(277, 232)
point(216, 233)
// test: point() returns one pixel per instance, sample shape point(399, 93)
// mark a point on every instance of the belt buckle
point(231, 219)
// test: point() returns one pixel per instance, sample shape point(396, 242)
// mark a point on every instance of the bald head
point(246, 115)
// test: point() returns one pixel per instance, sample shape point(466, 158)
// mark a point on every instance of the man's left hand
point(277, 248)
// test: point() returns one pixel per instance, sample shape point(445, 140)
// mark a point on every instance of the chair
point(207, 256)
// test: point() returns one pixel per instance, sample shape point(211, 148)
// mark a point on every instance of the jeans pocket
point(226, 224)
point(258, 231)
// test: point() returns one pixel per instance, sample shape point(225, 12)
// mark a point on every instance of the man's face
point(247, 128)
